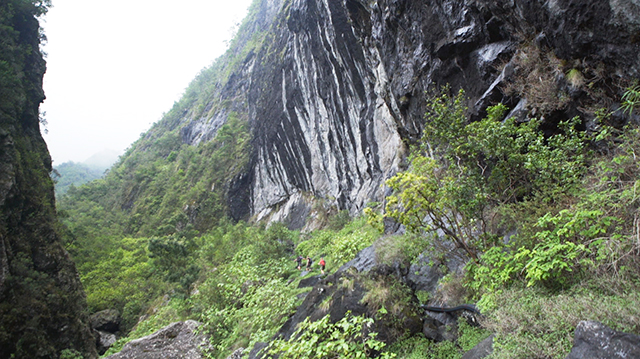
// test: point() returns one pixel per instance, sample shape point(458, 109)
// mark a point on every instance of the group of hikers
point(309, 263)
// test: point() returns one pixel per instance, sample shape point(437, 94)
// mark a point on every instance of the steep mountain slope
point(329, 90)
point(42, 304)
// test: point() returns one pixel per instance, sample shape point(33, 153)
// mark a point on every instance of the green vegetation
point(338, 246)
point(541, 215)
point(461, 173)
point(246, 281)
point(347, 338)
point(421, 348)
point(73, 174)
point(574, 213)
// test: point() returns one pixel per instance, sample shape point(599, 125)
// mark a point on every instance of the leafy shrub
point(461, 172)
point(245, 296)
point(422, 348)
point(631, 99)
point(348, 338)
point(125, 280)
point(571, 241)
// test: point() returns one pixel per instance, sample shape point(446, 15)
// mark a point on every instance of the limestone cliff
point(337, 87)
point(42, 304)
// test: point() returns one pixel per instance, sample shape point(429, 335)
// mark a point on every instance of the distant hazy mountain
point(102, 160)
point(73, 173)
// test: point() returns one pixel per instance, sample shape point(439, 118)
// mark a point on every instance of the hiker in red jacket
point(322, 264)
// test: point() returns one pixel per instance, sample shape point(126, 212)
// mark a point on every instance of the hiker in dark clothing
point(299, 261)
point(309, 262)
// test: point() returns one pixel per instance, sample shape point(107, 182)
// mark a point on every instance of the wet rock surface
point(343, 292)
point(309, 282)
point(364, 261)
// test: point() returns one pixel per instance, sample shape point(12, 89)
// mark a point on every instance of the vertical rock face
point(338, 86)
point(327, 130)
point(41, 298)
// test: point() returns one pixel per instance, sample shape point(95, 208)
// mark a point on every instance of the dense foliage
point(73, 174)
point(530, 209)
point(245, 277)
point(462, 172)
point(348, 338)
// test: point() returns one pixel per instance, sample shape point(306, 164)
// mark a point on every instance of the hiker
point(322, 264)
point(299, 261)
point(309, 262)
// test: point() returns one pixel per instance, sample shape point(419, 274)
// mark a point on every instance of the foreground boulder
point(176, 341)
point(597, 341)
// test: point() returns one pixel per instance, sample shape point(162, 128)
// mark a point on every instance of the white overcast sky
point(114, 67)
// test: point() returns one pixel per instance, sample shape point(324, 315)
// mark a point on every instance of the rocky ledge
point(177, 341)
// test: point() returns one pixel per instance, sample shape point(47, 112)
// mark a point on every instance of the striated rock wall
point(42, 304)
point(337, 89)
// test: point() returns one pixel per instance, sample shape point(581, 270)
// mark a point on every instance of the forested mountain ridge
point(317, 112)
point(42, 304)
point(73, 174)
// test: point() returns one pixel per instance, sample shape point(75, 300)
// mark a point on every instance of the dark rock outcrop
point(349, 289)
point(309, 282)
point(364, 261)
point(597, 341)
point(176, 341)
point(107, 320)
point(105, 325)
point(42, 303)
point(346, 292)
point(257, 350)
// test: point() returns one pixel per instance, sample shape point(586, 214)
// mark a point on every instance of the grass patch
point(530, 323)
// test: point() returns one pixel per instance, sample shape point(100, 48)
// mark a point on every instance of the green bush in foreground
point(348, 338)
point(422, 348)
